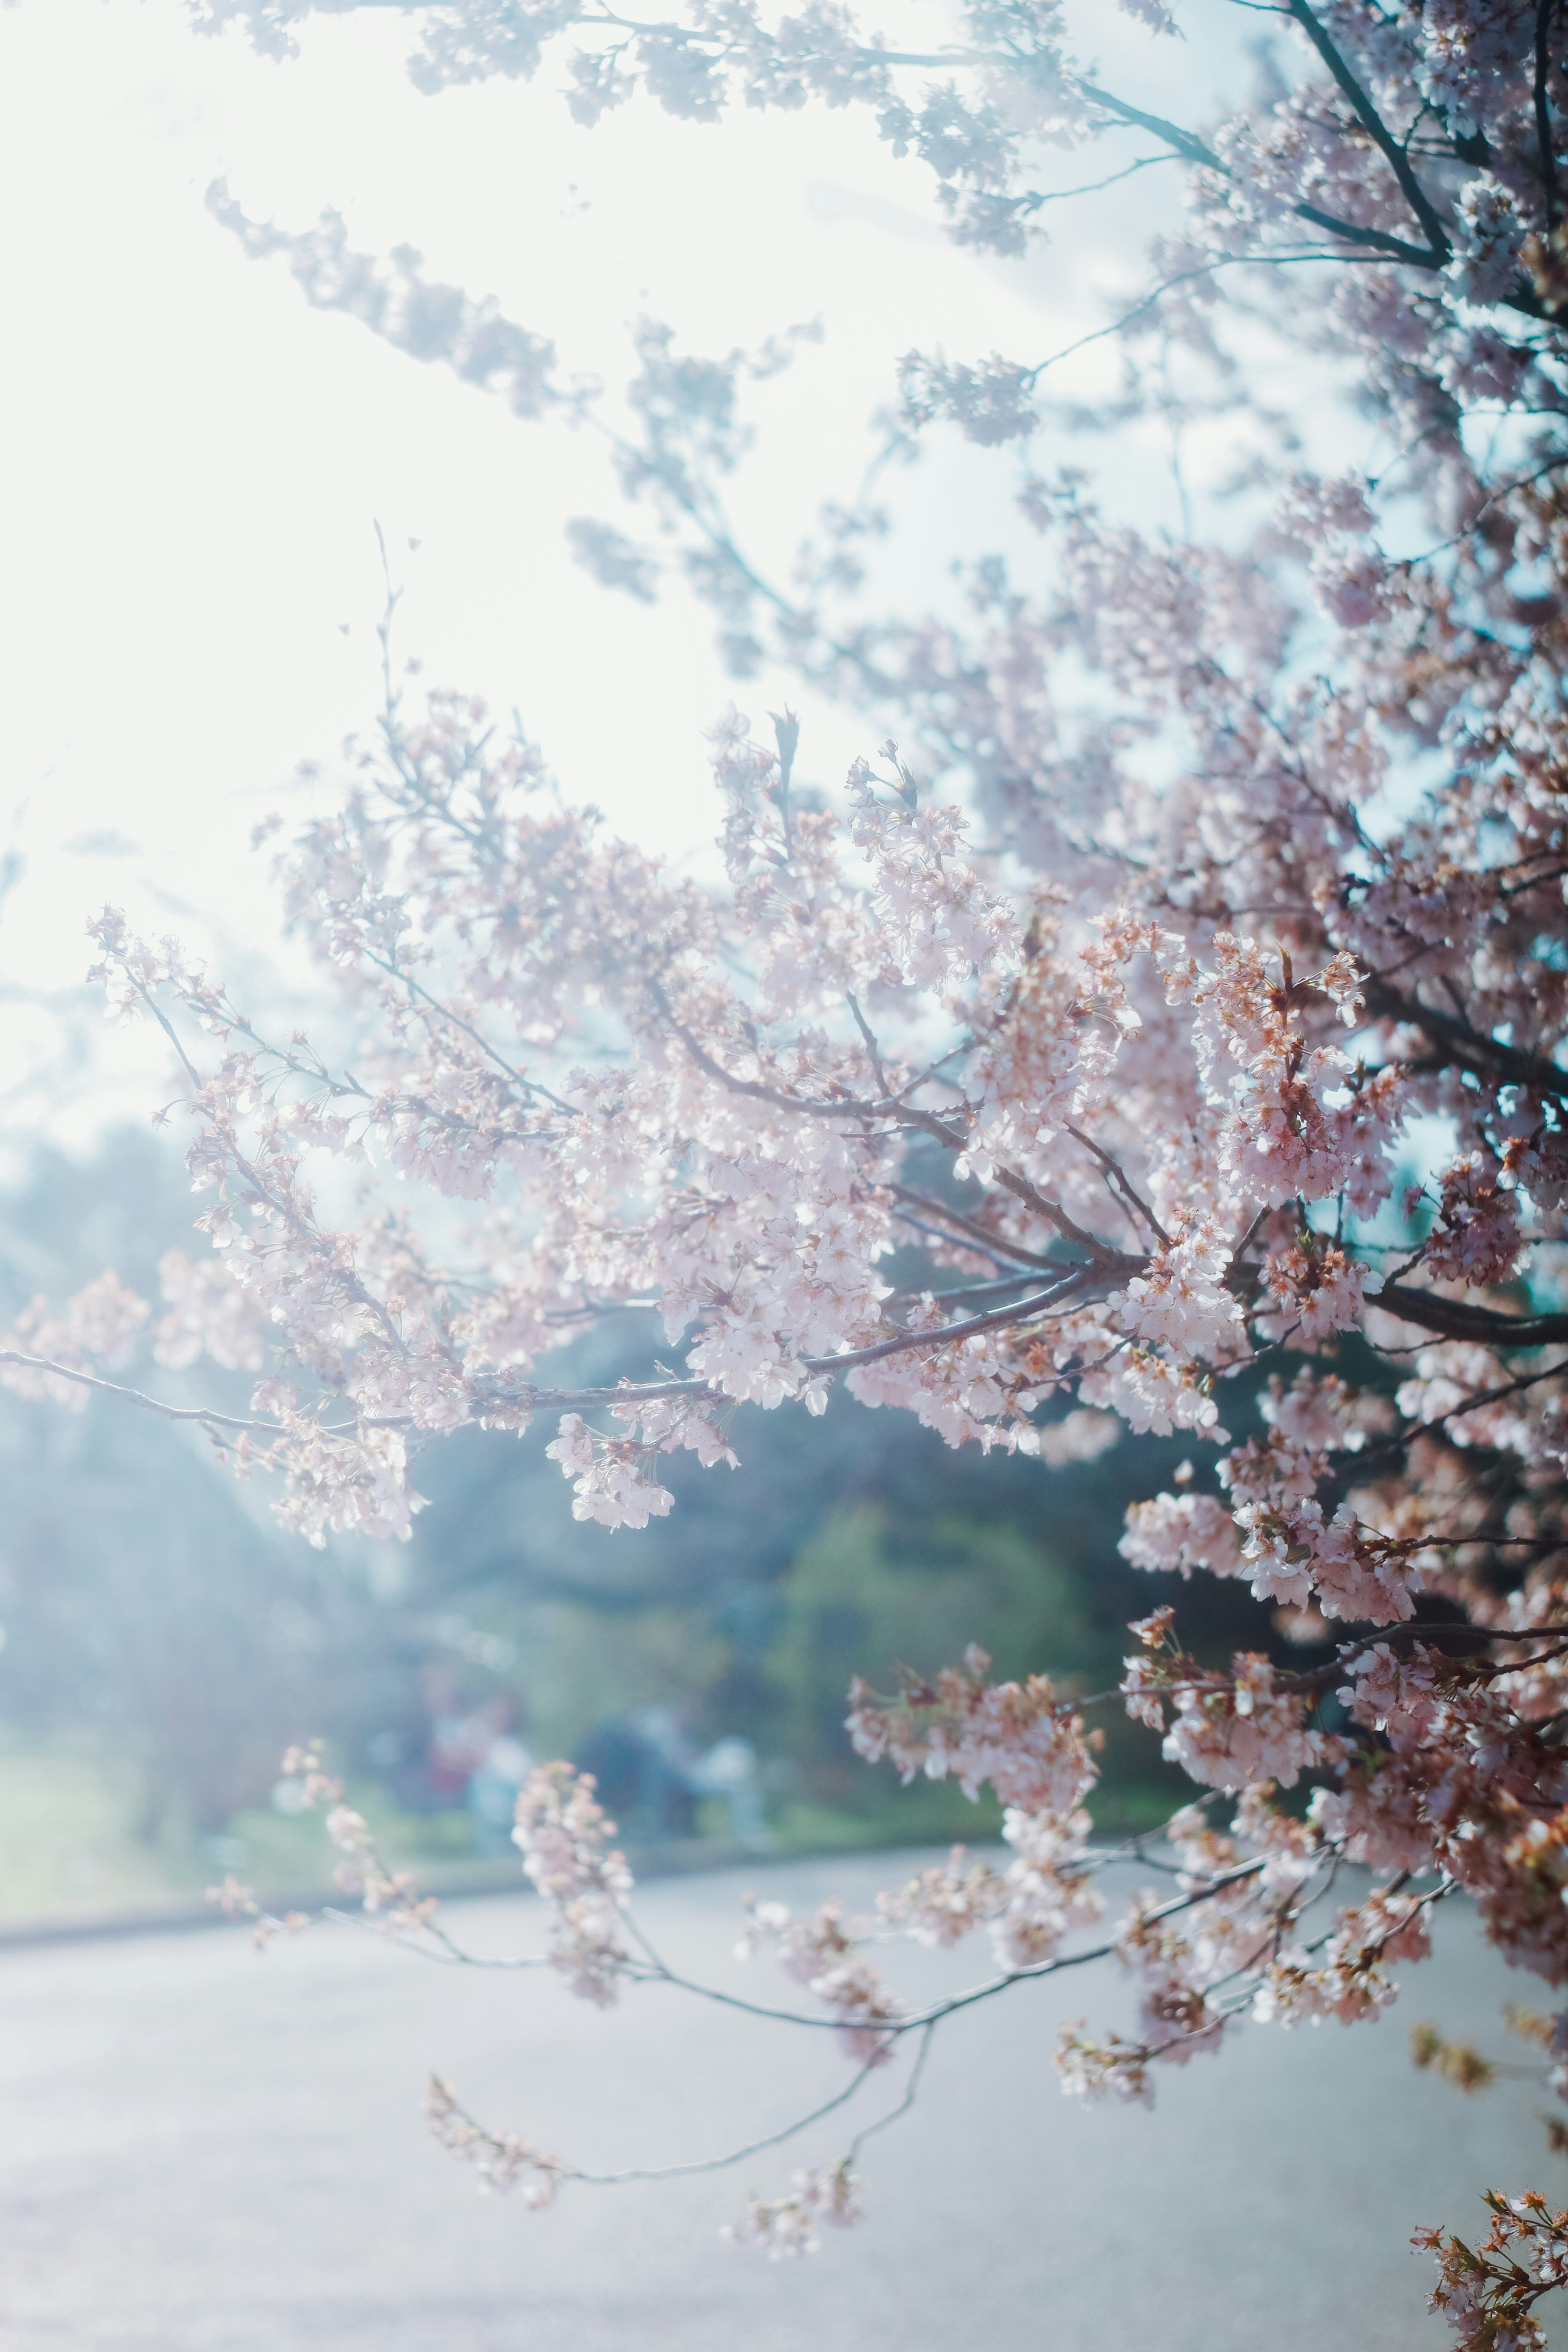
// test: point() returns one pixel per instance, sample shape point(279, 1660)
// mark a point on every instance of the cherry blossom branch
point(503, 2150)
point(167, 1027)
point(871, 1046)
point(999, 1255)
point(963, 1291)
point(911, 2093)
point(1378, 132)
point(894, 2028)
point(576, 1399)
point(779, 2138)
point(850, 1107)
point(1495, 1396)
point(1117, 1175)
point(1457, 1318)
point(46, 1365)
point(1209, 269)
point(1073, 1284)
point(1190, 149)
point(529, 1086)
point(994, 1244)
point(1544, 12)
point(1469, 1047)
point(1103, 1254)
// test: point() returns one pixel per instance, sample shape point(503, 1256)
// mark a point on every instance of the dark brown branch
point(1113, 1170)
point(1076, 1281)
point(1456, 1319)
point(961, 1293)
point(1105, 1259)
point(806, 1104)
point(1186, 143)
point(995, 1245)
point(1544, 12)
point(1377, 131)
point(1414, 256)
point(1470, 1047)
point(1193, 149)
point(869, 1037)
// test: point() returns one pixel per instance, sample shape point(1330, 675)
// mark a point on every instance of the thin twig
point(1114, 1170)
point(44, 1364)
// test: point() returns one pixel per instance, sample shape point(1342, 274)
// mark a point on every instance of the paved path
point(203, 2151)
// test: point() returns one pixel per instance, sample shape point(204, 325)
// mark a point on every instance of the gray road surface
point(205, 2151)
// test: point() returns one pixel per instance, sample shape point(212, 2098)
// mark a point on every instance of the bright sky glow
point(198, 459)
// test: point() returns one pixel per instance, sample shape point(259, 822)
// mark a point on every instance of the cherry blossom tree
point(1162, 1031)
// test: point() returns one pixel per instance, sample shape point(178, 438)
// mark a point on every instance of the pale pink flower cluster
point(1289, 1850)
point(1079, 1436)
point(1337, 1564)
point(206, 1313)
point(1348, 1979)
point(101, 1323)
point(1470, 1391)
point(1196, 1959)
point(758, 1234)
point(336, 1485)
point(1317, 1289)
point(820, 2196)
point(1181, 1532)
point(1020, 1737)
point(501, 2159)
point(1227, 1731)
point(1477, 1239)
point(610, 1483)
point(1177, 1962)
point(1153, 1394)
point(1487, 2293)
point(1106, 2065)
point(1489, 236)
point(1046, 1891)
point(1182, 1303)
point(385, 1893)
point(1049, 1889)
point(1333, 521)
point(944, 1903)
point(1318, 1413)
point(562, 1833)
point(1539, 1161)
point(1275, 1531)
point(1221, 1950)
point(1393, 1690)
point(823, 1954)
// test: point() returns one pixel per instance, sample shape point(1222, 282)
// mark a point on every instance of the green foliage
point(859, 1600)
point(575, 1665)
point(70, 1842)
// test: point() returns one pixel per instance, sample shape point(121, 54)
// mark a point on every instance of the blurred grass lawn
point(70, 1848)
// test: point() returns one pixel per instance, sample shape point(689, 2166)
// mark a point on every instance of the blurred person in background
point(651, 1776)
